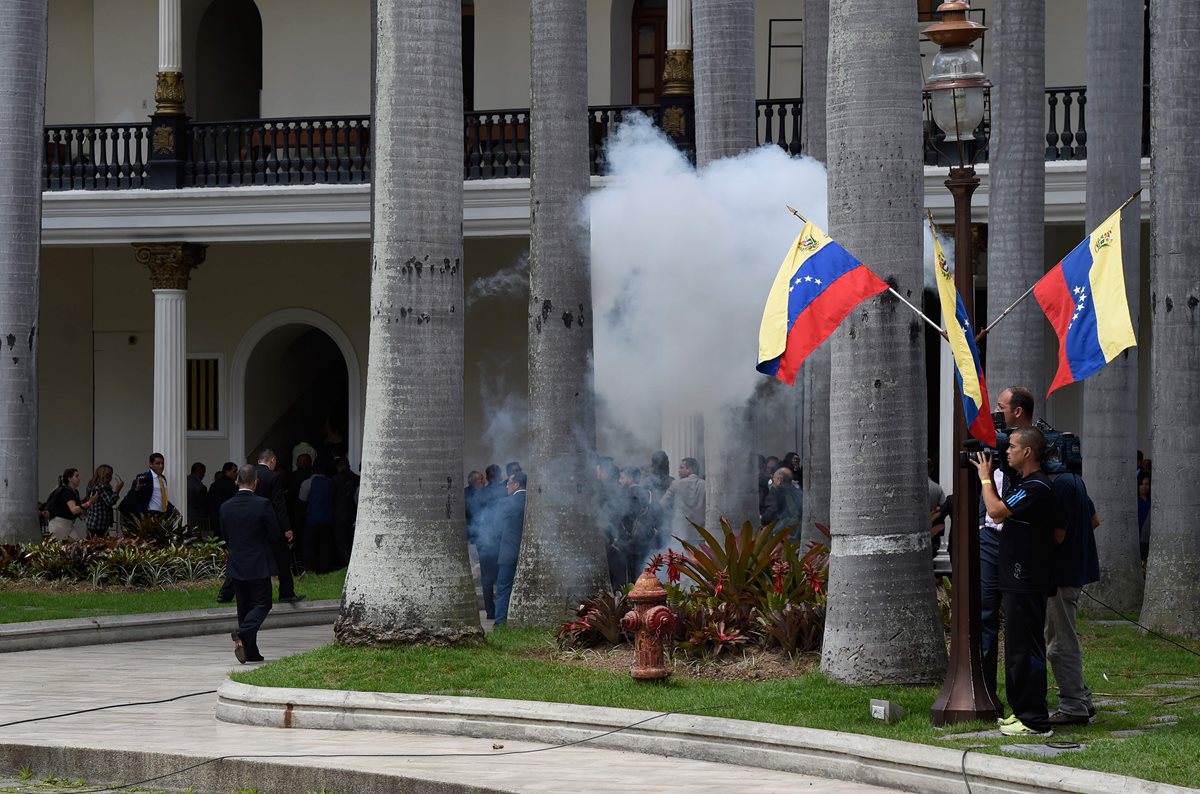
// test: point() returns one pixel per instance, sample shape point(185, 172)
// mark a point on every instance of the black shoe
point(255, 659)
point(1063, 718)
point(292, 599)
point(239, 648)
point(223, 600)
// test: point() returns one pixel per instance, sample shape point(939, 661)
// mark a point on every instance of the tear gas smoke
point(682, 262)
point(511, 282)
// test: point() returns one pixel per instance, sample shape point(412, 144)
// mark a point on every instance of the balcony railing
point(334, 150)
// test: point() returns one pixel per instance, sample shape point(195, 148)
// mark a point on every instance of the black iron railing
point(96, 156)
point(332, 150)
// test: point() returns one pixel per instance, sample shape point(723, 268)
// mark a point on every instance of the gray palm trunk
point(1016, 200)
point(409, 579)
point(723, 38)
point(1110, 405)
point(23, 41)
point(815, 449)
point(1172, 601)
point(562, 556)
point(882, 625)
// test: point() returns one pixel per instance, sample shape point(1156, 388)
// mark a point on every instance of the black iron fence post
point(168, 133)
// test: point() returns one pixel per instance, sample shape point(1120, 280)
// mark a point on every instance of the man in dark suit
point(510, 524)
point(251, 531)
point(270, 486)
point(223, 489)
point(148, 495)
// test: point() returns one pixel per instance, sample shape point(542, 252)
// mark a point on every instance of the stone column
point(168, 142)
point(682, 436)
point(170, 266)
point(678, 104)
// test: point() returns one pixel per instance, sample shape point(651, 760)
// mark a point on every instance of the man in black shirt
point(1026, 576)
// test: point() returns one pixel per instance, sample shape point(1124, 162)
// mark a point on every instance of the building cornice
point(491, 208)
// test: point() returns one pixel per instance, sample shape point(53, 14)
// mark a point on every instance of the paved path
point(53, 681)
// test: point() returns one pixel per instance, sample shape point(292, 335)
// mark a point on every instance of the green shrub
point(121, 562)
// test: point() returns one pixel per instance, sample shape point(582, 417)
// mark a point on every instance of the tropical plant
point(735, 568)
point(23, 47)
point(562, 550)
point(794, 628)
point(161, 529)
point(598, 622)
point(409, 579)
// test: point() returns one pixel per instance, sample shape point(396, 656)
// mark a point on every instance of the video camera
point(1064, 451)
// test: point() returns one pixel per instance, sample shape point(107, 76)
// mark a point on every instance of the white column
point(170, 361)
point(679, 24)
point(682, 436)
point(170, 53)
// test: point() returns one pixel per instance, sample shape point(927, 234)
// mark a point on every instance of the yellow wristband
point(985, 482)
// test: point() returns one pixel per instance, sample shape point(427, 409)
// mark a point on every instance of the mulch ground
point(747, 664)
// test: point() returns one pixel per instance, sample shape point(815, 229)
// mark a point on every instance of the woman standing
point(103, 495)
point(1143, 482)
point(65, 506)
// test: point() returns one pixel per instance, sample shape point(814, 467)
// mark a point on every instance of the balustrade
point(496, 145)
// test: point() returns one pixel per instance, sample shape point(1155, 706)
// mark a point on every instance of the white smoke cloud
point(511, 282)
point(682, 262)
point(505, 433)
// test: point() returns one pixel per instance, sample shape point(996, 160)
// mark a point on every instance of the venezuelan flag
point(817, 285)
point(1084, 299)
point(967, 371)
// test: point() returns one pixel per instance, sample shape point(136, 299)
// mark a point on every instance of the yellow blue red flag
point(1084, 299)
point(967, 370)
point(817, 285)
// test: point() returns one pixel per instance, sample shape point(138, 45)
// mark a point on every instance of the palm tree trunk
point(1016, 204)
point(562, 556)
point(723, 34)
point(409, 580)
point(1110, 405)
point(882, 625)
point(23, 37)
point(815, 449)
point(1172, 602)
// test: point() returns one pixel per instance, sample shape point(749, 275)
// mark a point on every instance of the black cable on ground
point(104, 708)
point(1128, 619)
point(246, 756)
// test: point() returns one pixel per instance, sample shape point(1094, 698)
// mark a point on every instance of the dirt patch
point(748, 664)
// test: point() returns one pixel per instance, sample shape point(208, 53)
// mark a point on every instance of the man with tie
point(251, 532)
point(148, 496)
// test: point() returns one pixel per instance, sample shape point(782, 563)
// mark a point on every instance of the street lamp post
point(957, 88)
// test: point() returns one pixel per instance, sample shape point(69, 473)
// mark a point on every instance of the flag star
point(817, 281)
point(808, 278)
point(791, 288)
point(1078, 290)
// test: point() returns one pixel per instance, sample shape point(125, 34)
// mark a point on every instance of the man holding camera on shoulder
point(1025, 573)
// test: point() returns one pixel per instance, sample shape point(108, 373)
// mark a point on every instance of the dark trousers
point(1025, 658)
point(253, 604)
point(989, 602)
point(489, 568)
point(504, 585)
point(283, 561)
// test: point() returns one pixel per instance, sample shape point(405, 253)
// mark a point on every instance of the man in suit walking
point(148, 496)
point(270, 486)
point(510, 524)
point(251, 531)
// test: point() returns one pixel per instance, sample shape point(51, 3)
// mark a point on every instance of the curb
point(40, 635)
point(830, 754)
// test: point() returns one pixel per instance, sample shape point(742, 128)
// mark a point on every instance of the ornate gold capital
point(170, 264)
point(677, 73)
point(169, 95)
point(674, 122)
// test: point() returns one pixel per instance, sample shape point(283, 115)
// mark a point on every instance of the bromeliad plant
point(749, 586)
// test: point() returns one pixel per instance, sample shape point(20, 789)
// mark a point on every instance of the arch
point(241, 357)
point(229, 61)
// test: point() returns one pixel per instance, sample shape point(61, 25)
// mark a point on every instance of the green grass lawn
point(1120, 662)
point(21, 601)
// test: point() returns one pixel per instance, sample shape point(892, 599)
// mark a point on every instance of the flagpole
point(920, 313)
point(1027, 292)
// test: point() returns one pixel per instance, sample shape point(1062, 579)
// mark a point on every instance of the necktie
point(162, 486)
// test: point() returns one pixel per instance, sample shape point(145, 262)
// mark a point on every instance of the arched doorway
point(295, 378)
point(228, 80)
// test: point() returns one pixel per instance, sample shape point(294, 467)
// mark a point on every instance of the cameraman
point(1016, 406)
point(1026, 575)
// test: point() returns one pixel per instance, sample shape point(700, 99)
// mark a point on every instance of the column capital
point(169, 95)
point(170, 264)
point(677, 73)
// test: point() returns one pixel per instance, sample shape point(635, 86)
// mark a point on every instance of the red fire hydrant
point(651, 622)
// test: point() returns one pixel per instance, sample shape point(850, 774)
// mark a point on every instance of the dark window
point(203, 395)
point(649, 50)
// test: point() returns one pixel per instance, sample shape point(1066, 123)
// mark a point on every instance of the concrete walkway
point(122, 745)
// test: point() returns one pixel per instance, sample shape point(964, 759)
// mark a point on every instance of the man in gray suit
point(251, 533)
point(685, 502)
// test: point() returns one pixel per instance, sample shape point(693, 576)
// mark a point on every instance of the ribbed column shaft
point(170, 51)
point(170, 357)
point(679, 24)
point(682, 436)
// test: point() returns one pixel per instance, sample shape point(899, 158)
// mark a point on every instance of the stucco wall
point(785, 63)
point(125, 44)
point(316, 57)
point(69, 74)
